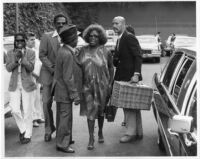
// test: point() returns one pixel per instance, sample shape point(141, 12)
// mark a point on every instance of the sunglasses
point(61, 23)
point(95, 36)
point(22, 40)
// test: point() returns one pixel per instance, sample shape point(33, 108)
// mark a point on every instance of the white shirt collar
point(55, 33)
point(119, 37)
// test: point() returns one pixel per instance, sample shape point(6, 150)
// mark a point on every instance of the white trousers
point(133, 122)
point(37, 106)
point(23, 117)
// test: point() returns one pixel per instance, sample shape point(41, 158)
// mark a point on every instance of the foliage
point(35, 17)
point(82, 14)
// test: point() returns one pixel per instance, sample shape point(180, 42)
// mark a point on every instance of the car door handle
point(172, 133)
point(189, 139)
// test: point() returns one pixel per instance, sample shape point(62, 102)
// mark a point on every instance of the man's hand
point(135, 78)
point(77, 101)
point(19, 53)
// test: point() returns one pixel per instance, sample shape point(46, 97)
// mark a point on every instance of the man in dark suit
point(66, 87)
point(128, 62)
point(49, 45)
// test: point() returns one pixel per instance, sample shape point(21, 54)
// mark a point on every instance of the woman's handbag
point(110, 112)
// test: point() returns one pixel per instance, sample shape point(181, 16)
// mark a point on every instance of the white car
point(8, 45)
point(149, 47)
point(181, 41)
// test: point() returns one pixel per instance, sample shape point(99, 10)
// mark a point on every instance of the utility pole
point(17, 17)
point(156, 24)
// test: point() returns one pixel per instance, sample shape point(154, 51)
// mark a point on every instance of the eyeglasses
point(60, 23)
point(95, 36)
point(21, 40)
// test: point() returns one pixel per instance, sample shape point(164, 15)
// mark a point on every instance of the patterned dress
point(98, 71)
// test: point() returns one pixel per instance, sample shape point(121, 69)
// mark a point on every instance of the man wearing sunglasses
point(20, 61)
point(49, 45)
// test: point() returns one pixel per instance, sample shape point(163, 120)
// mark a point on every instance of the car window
point(170, 70)
point(180, 77)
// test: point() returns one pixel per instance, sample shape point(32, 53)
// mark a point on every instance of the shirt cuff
point(136, 73)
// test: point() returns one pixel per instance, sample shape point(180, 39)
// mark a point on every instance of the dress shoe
point(47, 137)
point(128, 138)
point(21, 136)
point(123, 123)
point(139, 137)
point(35, 123)
point(40, 121)
point(65, 149)
point(26, 140)
point(71, 142)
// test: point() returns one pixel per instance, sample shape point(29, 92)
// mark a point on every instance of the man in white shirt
point(37, 108)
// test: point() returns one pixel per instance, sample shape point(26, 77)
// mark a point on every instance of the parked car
point(8, 45)
point(181, 41)
point(175, 104)
point(149, 47)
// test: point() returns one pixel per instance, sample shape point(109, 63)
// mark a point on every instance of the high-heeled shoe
point(101, 138)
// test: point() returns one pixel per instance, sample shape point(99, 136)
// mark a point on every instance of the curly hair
point(101, 31)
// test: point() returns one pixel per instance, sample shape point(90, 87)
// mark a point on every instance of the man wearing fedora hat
point(65, 87)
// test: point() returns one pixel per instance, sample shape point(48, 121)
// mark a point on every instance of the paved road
point(112, 133)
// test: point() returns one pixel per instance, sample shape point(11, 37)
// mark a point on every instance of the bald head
point(119, 24)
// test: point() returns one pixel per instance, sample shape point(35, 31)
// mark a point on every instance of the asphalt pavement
point(112, 133)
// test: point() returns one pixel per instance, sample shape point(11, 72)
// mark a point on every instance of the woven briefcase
point(133, 96)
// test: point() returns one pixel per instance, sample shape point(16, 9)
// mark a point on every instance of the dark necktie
point(117, 45)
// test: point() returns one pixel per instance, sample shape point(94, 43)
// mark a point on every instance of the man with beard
point(128, 61)
point(49, 45)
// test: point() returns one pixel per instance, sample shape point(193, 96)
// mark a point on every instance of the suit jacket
point(66, 86)
point(27, 66)
point(47, 53)
point(127, 58)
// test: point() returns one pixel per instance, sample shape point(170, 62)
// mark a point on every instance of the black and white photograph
point(99, 79)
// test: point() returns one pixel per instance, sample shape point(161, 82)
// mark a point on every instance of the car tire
point(160, 142)
point(167, 53)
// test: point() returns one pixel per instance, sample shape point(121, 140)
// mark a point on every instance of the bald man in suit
point(128, 62)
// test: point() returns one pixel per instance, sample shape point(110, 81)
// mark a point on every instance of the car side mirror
point(180, 124)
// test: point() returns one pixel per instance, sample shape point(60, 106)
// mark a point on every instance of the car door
point(165, 106)
point(172, 81)
point(179, 89)
point(188, 141)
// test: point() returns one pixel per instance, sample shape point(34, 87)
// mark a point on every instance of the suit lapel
point(55, 44)
point(121, 42)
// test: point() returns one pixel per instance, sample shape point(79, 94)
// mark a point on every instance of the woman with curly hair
point(97, 66)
